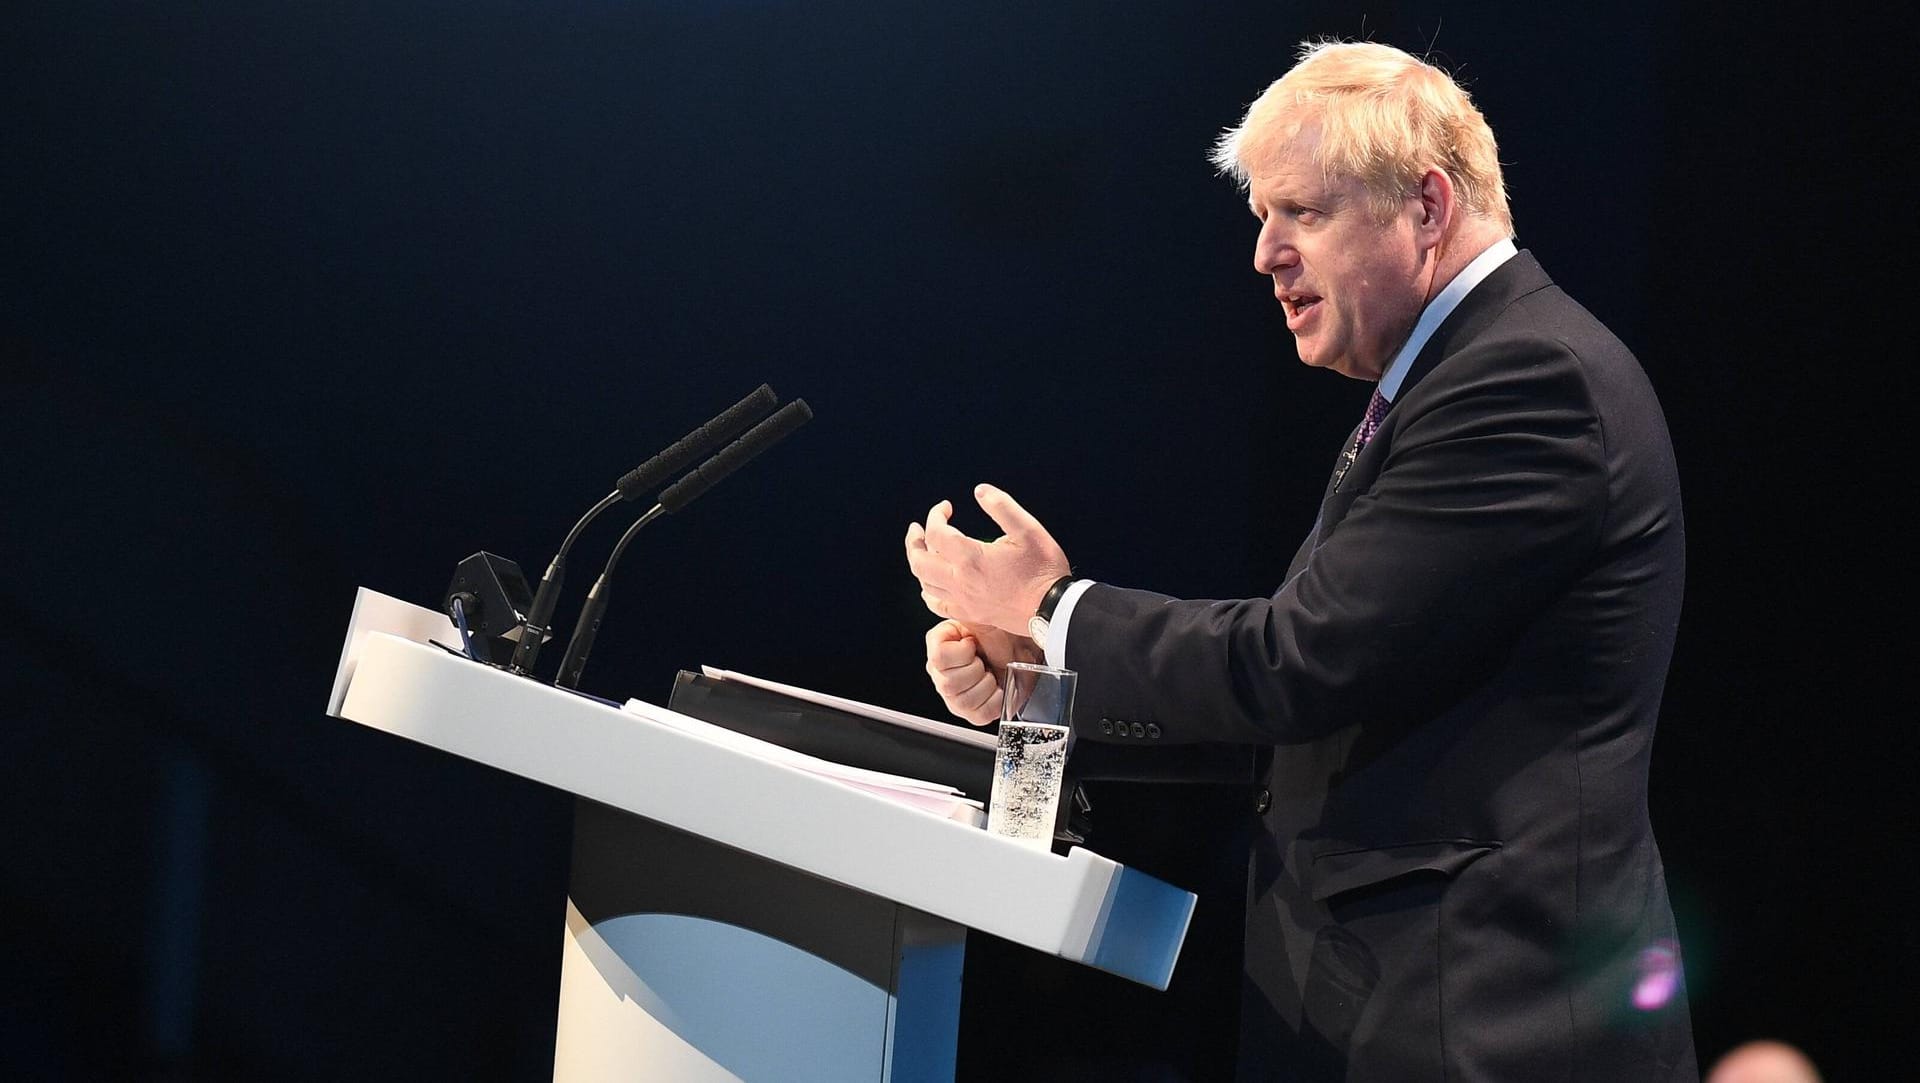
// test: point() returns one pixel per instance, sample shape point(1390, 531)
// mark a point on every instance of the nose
point(1272, 252)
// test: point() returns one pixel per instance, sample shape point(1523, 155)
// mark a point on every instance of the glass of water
point(1036, 713)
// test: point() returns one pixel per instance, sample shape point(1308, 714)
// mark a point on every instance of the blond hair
point(1385, 118)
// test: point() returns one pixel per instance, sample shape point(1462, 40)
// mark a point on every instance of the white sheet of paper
point(963, 734)
point(915, 791)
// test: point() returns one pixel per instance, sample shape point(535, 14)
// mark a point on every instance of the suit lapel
point(1312, 541)
point(1511, 281)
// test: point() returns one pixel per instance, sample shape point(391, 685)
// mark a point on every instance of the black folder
point(858, 741)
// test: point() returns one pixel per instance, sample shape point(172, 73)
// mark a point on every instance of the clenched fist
point(967, 663)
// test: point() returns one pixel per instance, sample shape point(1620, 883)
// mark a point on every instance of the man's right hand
point(967, 662)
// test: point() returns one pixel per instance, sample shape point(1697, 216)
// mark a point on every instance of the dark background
point(303, 297)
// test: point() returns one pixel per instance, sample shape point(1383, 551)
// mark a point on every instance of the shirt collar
point(1439, 309)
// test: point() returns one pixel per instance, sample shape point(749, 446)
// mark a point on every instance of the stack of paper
point(946, 730)
point(933, 797)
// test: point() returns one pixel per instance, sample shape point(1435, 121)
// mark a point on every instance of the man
point(1454, 690)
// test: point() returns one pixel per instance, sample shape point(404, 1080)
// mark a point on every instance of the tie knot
point(1376, 410)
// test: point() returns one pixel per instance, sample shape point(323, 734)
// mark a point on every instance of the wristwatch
point(1038, 623)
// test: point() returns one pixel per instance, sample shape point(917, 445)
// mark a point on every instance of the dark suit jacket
point(1454, 694)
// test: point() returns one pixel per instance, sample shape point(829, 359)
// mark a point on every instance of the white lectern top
point(1080, 906)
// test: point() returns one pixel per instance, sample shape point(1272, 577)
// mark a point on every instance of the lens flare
point(1659, 976)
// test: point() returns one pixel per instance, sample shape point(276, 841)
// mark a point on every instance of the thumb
point(1007, 513)
point(947, 631)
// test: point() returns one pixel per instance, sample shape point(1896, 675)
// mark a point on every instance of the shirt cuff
point(1057, 627)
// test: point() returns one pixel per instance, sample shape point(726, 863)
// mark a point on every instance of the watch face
point(1037, 628)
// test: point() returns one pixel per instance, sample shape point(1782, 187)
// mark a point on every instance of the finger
point(942, 536)
point(934, 603)
point(979, 694)
point(916, 538)
point(950, 682)
point(953, 654)
point(987, 711)
point(943, 632)
point(971, 695)
point(1007, 513)
point(954, 685)
point(939, 514)
point(957, 687)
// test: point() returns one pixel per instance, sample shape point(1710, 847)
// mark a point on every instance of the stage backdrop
point(303, 297)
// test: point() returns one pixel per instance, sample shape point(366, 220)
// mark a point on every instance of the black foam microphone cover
point(646, 477)
point(736, 455)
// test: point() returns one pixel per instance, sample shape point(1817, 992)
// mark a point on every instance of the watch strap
point(1051, 599)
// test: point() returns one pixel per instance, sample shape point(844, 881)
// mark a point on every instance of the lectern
point(731, 917)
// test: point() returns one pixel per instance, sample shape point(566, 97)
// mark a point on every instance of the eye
point(1306, 216)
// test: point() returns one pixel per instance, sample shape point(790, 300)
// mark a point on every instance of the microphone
point(678, 495)
point(632, 485)
point(644, 478)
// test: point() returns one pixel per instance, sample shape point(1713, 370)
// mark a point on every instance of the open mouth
point(1298, 305)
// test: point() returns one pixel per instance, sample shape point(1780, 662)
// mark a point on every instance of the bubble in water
point(1026, 782)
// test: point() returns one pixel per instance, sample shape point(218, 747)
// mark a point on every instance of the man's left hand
point(998, 583)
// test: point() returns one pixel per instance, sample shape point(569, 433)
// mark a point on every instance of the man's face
point(1352, 285)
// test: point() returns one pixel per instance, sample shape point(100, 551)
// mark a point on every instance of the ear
point(1437, 208)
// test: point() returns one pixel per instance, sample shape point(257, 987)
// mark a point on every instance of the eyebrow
point(1322, 202)
point(1304, 193)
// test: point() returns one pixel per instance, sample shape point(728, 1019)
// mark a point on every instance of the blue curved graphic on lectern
point(758, 1007)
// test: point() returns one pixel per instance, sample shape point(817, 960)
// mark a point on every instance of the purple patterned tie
point(1376, 409)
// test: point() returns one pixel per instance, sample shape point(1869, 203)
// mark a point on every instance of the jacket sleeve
point(1490, 500)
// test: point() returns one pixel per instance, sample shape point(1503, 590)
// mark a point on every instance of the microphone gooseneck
point(580, 644)
point(633, 484)
point(678, 495)
point(540, 613)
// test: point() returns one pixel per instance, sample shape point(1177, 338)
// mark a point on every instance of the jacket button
point(1153, 731)
point(1263, 800)
point(1139, 730)
point(1106, 725)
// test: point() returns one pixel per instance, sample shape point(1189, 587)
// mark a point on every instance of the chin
point(1347, 367)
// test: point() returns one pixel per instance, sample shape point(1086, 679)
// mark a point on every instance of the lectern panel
point(689, 961)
